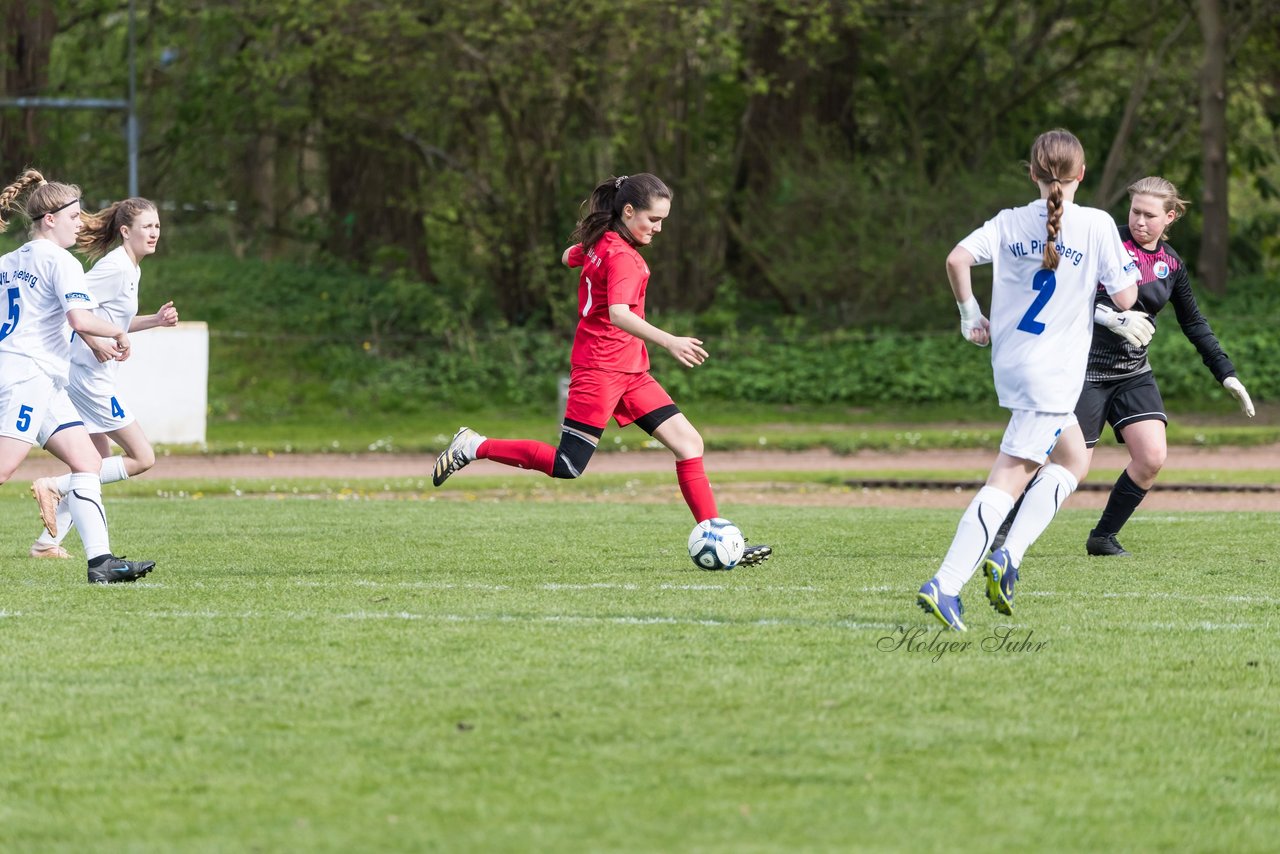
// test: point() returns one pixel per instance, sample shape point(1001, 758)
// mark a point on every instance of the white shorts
point(32, 407)
point(1032, 435)
point(95, 398)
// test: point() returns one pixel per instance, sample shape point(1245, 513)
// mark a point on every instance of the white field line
point(1204, 626)
point(1123, 594)
point(481, 585)
point(621, 620)
point(616, 620)
point(746, 588)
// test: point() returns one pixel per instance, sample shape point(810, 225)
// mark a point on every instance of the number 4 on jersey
point(1044, 282)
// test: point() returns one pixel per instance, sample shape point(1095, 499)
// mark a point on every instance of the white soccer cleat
point(461, 450)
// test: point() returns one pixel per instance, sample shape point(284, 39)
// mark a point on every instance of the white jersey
point(113, 284)
point(39, 283)
point(1042, 320)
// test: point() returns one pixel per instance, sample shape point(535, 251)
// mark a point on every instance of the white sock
point(474, 445)
point(112, 470)
point(64, 522)
point(974, 534)
point(85, 500)
point(1051, 488)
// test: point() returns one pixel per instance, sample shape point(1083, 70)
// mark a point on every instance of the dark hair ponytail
point(609, 198)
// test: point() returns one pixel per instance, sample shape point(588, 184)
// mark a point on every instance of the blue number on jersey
point(116, 411)
point(15, 308)
point(1044, 282)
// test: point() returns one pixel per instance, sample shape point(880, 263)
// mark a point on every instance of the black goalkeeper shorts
point(1118, 403)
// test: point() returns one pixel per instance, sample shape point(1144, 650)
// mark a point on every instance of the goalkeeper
point(1119, 387)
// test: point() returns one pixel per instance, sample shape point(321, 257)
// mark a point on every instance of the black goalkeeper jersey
point(1163, 279)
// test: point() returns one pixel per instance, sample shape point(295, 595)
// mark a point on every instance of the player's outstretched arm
point(687, 351)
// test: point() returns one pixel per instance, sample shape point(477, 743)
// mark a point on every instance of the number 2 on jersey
point(1044, 282)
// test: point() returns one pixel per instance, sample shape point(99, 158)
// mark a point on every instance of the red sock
point(520, 453)
point(696, 489)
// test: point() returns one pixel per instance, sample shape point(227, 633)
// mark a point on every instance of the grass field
point(315, 674)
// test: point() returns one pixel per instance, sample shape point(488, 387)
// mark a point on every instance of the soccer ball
point(716, 544)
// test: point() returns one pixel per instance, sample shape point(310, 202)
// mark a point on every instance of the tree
point(1215, 235)
point(27, 30)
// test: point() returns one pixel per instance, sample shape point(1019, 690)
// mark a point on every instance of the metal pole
point(132, 120)
point(28, 103)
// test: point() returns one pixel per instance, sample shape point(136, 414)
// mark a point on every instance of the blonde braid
point(1053, 204)
point(1054, 154)
point(10, 194)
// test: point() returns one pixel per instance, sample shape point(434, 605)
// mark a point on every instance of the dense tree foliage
point(824, 154)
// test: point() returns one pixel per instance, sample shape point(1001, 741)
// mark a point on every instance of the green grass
point(525, 486)
point(477, 674)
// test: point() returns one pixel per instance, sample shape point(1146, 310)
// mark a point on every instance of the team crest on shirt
point(1161, 269)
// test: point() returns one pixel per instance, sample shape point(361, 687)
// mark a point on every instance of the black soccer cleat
point(1104, 545)
point(117, 570)
point(753, 555)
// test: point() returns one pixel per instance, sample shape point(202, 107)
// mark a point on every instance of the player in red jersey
point(609, 375)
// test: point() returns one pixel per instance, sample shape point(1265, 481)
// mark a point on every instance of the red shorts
point(596, 394)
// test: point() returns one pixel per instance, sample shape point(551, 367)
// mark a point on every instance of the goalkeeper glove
point(1236, 388)
point(1132, 326)
point(973, 326)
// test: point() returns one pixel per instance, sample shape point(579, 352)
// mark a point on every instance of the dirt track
point(281, 466)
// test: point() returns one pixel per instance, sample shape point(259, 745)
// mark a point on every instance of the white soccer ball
point(716, 544)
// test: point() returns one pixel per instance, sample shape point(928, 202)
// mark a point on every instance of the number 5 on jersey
point(15, 310)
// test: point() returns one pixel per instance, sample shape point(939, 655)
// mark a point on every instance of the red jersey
point(613, 273)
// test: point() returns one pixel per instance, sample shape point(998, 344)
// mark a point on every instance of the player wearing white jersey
point(1120, 388)
point(113, 285)
point(42, 291)
point(1048, 258)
